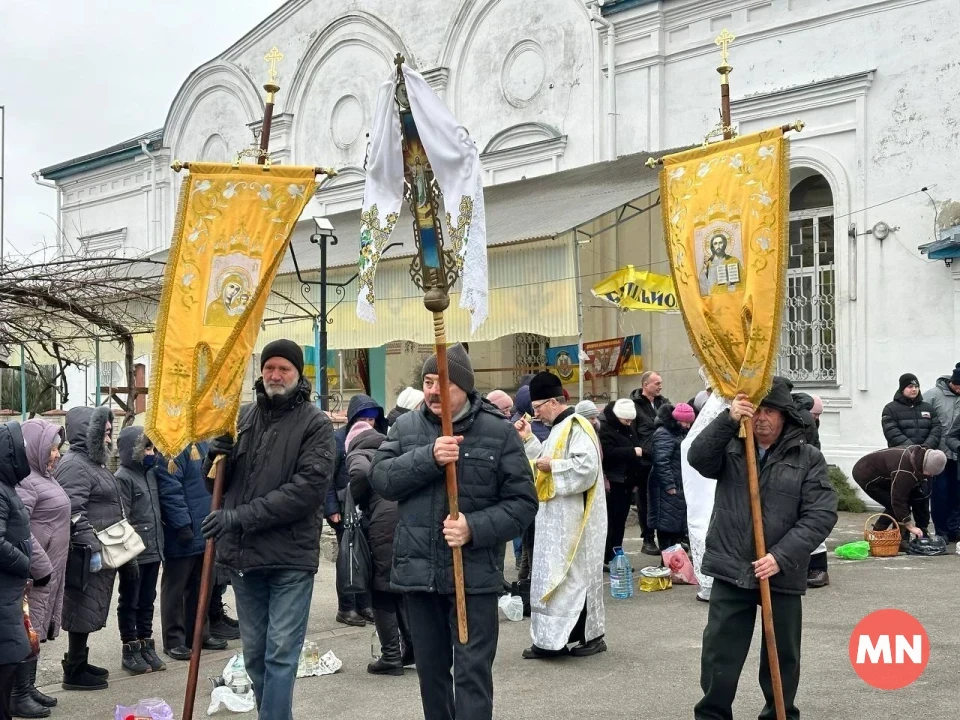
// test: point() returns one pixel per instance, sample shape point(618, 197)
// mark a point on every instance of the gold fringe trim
point(194, 453)
point(783, 197)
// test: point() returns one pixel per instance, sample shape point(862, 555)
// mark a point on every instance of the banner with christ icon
point(233, 225)
point(725, 210)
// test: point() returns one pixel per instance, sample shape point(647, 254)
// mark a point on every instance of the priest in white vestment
point(566, 593)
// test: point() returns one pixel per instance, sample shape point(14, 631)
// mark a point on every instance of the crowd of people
point(557, 481)
point(54, 512)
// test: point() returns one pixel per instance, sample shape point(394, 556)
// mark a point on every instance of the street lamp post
point(325, 231)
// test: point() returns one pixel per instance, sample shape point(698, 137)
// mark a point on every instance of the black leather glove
point(219, 523)
point(40, 582)
point(185, 535)
point(222, 445)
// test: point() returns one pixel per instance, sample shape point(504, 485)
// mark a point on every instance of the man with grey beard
point(268, 531)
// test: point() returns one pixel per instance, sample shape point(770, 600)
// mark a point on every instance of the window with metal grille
point(529, 352)
point(808, 346)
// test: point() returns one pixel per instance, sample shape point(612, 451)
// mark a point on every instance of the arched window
point(808, 349)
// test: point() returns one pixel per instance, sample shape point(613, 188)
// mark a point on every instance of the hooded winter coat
point(496, 490)
point(667, 512)
point(619, 443)
point(141, 499)
point(49, 510)
point(95, 502)
point(382, 514)
point(799, 505)
point(804, 404)
point(896, 473)
point(276, 478)
point(358, 403)
point(184, 502)
point(14, 546)
point(909, 422)
point(947, 405)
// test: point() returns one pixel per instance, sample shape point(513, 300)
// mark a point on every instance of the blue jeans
point(273, 607)
point(517, 547)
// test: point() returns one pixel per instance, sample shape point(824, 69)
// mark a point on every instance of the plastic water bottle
point(621, 575)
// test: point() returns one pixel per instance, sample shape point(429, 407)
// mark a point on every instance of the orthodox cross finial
point(723, 42)
point(399, 60)
point(272, 58)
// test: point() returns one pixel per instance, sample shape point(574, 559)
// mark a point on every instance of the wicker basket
point(883, 543)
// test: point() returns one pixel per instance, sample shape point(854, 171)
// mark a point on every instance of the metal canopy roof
point(534, 209)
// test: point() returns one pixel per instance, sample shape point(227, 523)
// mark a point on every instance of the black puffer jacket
point(798, 502)
point(645, 424)
point(138, 490)
point(619, 443)
point(666, 511)
point(94, 496)
point(909, 422)
point(381, 514)
point(496, 492)
point(276, 479)
point(14, 546)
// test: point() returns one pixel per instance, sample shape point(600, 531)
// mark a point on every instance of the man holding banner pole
point(799, 511)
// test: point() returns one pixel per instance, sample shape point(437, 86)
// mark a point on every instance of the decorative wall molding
point(437, 79)
point(799, 98)
point(103, 243)
point(523, 144)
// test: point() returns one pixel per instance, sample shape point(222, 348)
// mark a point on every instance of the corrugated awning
point(534, 209)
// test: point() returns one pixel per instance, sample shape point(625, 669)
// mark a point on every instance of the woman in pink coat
point(49, 510)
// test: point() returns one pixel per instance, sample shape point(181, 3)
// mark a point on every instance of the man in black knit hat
point(799, 511)
point(268, 530)
point(497, 502)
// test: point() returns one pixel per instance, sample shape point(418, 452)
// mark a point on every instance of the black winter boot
point(40, 697)
point(148, 651)
point(94, 670)
point(22, 703)
point(390, 662)
point(76, 676)
point(133, 661)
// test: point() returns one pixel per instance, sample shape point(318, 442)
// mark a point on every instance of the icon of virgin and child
point(231, 292)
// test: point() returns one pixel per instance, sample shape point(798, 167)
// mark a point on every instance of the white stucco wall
point(875, 81)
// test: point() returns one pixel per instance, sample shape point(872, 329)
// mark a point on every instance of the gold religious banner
point(232, 229)
point(725, 217)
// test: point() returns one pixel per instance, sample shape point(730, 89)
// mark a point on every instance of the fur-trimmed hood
point(86, 430)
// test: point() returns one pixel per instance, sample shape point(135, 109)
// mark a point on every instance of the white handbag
point(119, 544)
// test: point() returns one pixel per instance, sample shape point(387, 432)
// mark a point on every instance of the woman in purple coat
point(49, 509)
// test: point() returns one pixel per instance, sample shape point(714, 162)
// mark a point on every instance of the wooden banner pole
point(753, 477)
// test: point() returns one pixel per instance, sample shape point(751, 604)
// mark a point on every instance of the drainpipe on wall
point(54, 186)
point(602, 22)
point(154, 243)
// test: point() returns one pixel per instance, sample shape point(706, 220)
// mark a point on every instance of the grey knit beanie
point(460, 367)
point(934, 461)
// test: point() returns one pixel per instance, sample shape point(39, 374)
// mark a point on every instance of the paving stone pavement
point(650, 671)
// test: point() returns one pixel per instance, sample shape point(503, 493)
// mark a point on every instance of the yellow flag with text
point(232, 228)
point(725, 212)
point(632, 289)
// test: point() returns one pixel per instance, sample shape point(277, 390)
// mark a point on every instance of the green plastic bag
point(859, 550)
